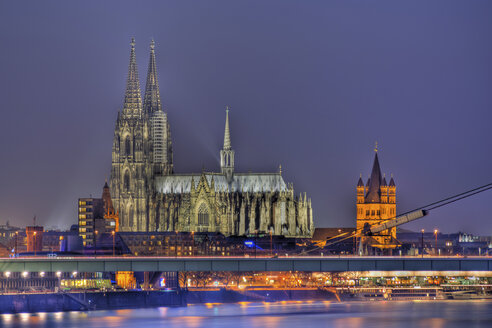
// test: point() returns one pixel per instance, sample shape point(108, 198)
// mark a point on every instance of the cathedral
point(376, 203)
point(149, 196)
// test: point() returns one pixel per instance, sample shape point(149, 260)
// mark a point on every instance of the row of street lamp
point(193, 235)
point(435, 235)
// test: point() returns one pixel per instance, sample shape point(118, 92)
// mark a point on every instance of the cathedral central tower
point(227, 153)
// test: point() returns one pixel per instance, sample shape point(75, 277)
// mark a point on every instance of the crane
point(369, 230)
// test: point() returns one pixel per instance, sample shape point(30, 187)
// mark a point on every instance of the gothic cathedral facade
point(149, 196)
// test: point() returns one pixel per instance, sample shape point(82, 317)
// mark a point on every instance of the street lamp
point(35, 243)
point(112, 232)
point(256, 237)
point(176, 245)
point(61, 240)
point(422, 242)
point(15, 249)
point(435, 235)
point(193, 241)
point(271, 247)
point(95, 240)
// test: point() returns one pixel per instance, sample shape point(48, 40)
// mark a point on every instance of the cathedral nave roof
point(242, 182)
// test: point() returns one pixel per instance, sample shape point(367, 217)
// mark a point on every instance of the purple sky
point(312, 86)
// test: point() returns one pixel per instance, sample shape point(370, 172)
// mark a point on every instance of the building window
point(367, 212)
point(379, 212)
point(372, 212)
point(127, 181)
point(128, 146)
point(203, 215)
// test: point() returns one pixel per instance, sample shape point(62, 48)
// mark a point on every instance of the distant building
point(181, 244)
point(376, 203)
point(9, 238)
point(34, 238)
point(110, 215)
point(150, 197)
point(437, 243)
point(90, 213)
point(333, 241)
point(96, 216)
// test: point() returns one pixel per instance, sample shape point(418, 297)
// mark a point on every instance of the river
point(304, 314)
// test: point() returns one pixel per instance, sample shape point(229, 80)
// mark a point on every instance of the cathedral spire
point(227, 135)
point(227, 154)
point(133, 98)
point(152, 98)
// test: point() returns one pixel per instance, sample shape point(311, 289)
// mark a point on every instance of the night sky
point(312, 85)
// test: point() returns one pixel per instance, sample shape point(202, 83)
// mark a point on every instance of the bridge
point(189, 264)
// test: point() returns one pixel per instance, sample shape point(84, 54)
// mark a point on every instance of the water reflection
point(282, 314)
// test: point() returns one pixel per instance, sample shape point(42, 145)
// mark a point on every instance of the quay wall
point(54, 302)
point(90, 301)
point(257, 295)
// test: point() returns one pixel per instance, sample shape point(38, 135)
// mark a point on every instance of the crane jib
point(398, 221)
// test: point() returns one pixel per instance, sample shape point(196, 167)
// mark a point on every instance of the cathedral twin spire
point(133, 98)
point(152, 108)
point(152, 98)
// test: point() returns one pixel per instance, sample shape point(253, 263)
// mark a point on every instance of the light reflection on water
point(437, 314)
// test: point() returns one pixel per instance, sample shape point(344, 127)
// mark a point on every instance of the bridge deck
point(315, 264)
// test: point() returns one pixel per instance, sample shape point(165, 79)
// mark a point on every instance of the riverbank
point(115, 300)
point(402, 314)
point(88, 301)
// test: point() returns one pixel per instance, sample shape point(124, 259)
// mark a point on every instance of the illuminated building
point(376, 203)
point(181, 244)
point(125, 279)
point(90, 211)
point(9, 239)
point(110, 214)
point(150, 197)
point(7, 233)
point(96, 216)
point(34, 238)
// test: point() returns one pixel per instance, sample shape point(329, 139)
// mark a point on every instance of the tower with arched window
point(131, 170)
point(376, 203)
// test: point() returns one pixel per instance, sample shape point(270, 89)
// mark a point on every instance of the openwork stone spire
point(227, 134)
point(152, 99)
point(133, 98)
point(227, 154)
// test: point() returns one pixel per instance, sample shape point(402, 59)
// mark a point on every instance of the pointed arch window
point(203, 215)
point(126, 182)
point(129, 220)
point(128, 149)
